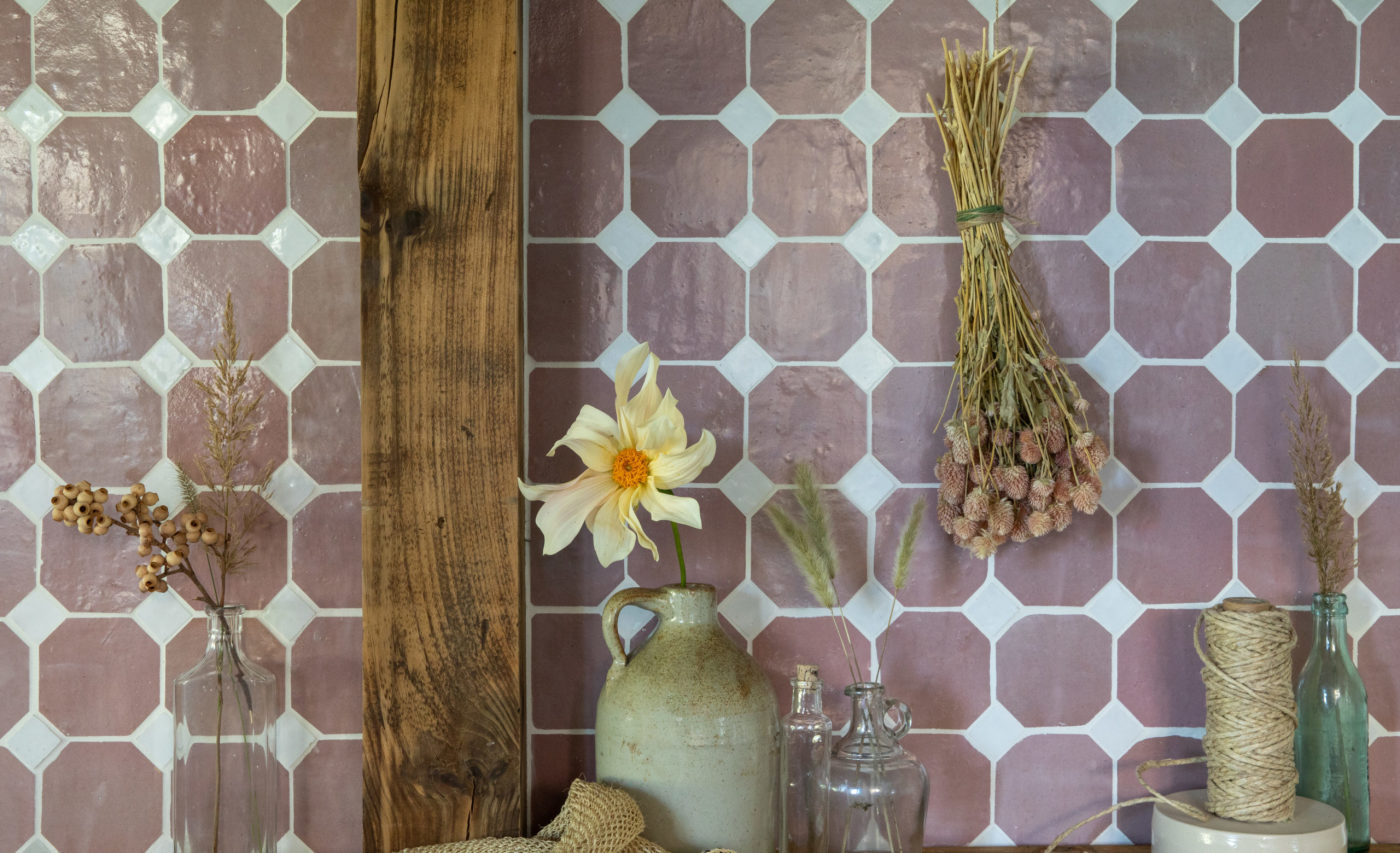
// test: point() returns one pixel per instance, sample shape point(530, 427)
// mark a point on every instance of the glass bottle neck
point(1330, 622)
point(867, 709)
point(224, 626)
point(806, 697)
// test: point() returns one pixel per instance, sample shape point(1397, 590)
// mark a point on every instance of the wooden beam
point(439, 142)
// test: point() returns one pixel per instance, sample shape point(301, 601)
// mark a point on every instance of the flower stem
point(680, 552)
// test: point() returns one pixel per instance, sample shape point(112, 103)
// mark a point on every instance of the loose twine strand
point(1250, 720)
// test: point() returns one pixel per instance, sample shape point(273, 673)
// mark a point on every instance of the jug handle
point(905, 718)
point(654, 600)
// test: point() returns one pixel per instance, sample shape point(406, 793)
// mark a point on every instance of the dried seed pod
point(56, 514)
point(179, 540)
point(99, 495)
point(85, 497)
point(160, 513)
point(167, 529)
point(85, 525)
point(1054, 432)
point(83, 486)
point(1064, 485)
point(209, 537)
point(157, 560)
point(127, 503)
point(150, 499)
point(1021, 531)
point(149, 583)
point(202, 517)
point(1014, 481)
point(983, 545)
point(82, 508)
point(101, 529)
point(1029, 449)
point(193, 527)
point(1001, 437)
point(137, 489)
point(129, 517)
point(70, 515)
point(161, 585)
point(70, 491)
point(144, 530)
point(143, 570)
point(1086, 497)
point(143, 550)
point(962, 444)
point(59, 502)
point(174, 558)
point(1040, 523)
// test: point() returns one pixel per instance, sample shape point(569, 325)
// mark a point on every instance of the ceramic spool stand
point(1315, 828)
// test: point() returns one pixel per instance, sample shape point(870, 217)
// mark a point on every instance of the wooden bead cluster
point(80, 505)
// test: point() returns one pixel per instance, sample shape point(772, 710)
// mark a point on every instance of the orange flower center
point(630, 468)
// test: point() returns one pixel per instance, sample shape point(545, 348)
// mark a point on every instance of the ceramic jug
point(688, 726)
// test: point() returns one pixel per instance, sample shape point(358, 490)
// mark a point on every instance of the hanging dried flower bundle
point(1020, 458)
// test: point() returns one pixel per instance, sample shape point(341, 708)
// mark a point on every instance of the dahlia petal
point(612, 540)
point(568, 506)
point(677, 469)
point(664, 507)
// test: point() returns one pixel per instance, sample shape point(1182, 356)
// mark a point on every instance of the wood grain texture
point(439, 142)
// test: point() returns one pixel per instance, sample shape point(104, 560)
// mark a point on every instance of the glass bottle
point(224, 782)
point(1332, 737)
point(806, 763)
point(878, 791)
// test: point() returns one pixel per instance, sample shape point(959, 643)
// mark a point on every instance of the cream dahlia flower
point(637, 458)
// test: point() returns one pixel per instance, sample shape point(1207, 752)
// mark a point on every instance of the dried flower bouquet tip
point(1020, 458)
point(1327, 528)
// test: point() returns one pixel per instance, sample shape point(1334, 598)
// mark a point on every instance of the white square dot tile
point(1355, 363)
point(163, 236)
point(38, 242)
point(156, 738)
point(37, 365)
point(623, 10)
point(294, 738)
point(1363, 608)
point(32, 740)
point(1236, 9)
point(995, 732)
point(626, 239)
point(993, 836)
point(1119, 485)
point(286, 111)
point(1233, 115)
point(748, 609)
point(164, 844)
point(868, 610)
point(1232, 486)
point(866, 362)
point(288, 614)
point(870, 241)
point(289, 237)
point(34, 113)
point(156, 8)
point(1114, 9)
point(1357, 116)
point(1113, 240)
point(747, 487)
point(290, 488)
point(992, 608)
point(867, 484)
point(748, 10)
point(37, 615)
point(1113, 116)
point(160, 114)
point(748, 116)
point(1359, 489)
point(1112, 362)
point(290, 843)
point(1359, 10)
point(1355, 238)
point(1233, 362)
point(746, 365)
point(163, 365)
point(869, 117)
point(32, 493)
point(627, 117)
point(1115, 729)
point(749, 242)
point(1114, 607)
point(609, 358)
point(162, 615)
point(287, 363)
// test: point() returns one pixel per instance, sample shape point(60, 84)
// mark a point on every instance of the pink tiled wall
point(754, 187)
point(154, 155)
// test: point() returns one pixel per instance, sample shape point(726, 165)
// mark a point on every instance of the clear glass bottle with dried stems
point(805, 760)
point(878, 791)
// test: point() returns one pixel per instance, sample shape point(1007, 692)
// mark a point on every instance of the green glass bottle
point(1331, 742)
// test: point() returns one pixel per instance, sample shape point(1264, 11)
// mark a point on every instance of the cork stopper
point(806, 672)
point(1246, 605)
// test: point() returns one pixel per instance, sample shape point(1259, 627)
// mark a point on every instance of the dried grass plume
point(1327, 528)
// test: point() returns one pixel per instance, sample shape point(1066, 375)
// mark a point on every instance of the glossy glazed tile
point(949, 690)
point(1150, 161)
point(1174, 545)
point(1376, 430)
point(15, 60)
point(575, 58)
point(68, 430)
point(15, 179)
point(19, 290)
point(789, 641)
point(1175, 56)
point(689, 179)
point(773, 568)
point(1057, 175)
point(326, 796)
point(572, 576)
point(325, 172)
point(325, 411)
point(686, 299)
point(326, 301)
point(686, 56)
point(17, 792)
point(1380, 76)
point(95, 54)
point(807, 302)
point(1379, 180)
point(1385, 788)
point(1073, 44)
point(574, 302)
point(1293, 177)
point(1161, 689)
point(1378, 303)
point(957, 807)
point(206, 273)
point(102, 302)
point(1172, 300)
point(708, 401)
point(1064, 570)
point(98, 177)
point(940, 575)
point(917, 281)
point(325, 668)
point(905, 411)
point(222, 54)
point(98, 677)
point(1029, 809)
point(17, 432)
point(326, 559)
point(1054, 670)
point(321, 52)
point(1297, 56)
point(910, 190)
point(1172, 424)
point(266, 571)
point(1259, 411)
point(88, 574)
point(809, 178)
point(116, 781)
point(14, 678)
point(225, 174)
point(572, 691)
point(1294, 296)
point(1273, 562)
point(808, 56)
point(553, 401)
point(1068, 284)
point(1378, 544)
point(906, 63)
point(186, 424)
point(1375, 659)
point(16, 556)
point(1136, 823)
point(816, 414)
point(575, 178)
point(713, 555)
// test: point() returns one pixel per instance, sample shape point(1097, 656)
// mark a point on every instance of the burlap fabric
point(596, 818)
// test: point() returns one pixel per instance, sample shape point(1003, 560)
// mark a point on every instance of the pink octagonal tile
point(223, 54)
point(325, 662)
point(575, 58)
point(1054, 670)
point(326, 549)
point(325, 177)
point(708, 401)
point(1172, 424)
point(687, 299)
point(1380, 76)
point(326, 301)
point(689, 179)
point(1385, 787)
point(555, 762)
point(904, 420)
point(188, 646)
point(14, 51)
point(102, 302)
point(95, 56)
point(791, 640)
point(15, 179)
point(1294, 296)
point(1057, 175)
point(1073, 60)
point(325, 417)
point(911, 191)
point(17, 432)
point(949, 690)
point(807, 302)
point(1136, 822)
point(1379, 180)
point(186, 429)
point(575, 178)
point(19, 292)
point(773, 567)
point(1151, 161)
point(1068, 284)
point(70, 430)
point(1297, 56)
point(809, 177)
point(206, 273)
point(1030, 811)
point(14, 678)
point(686, 56)
point(906, 62)
point(573, 302)
point(1172, 300)
point(959, 789)
point(321, 52)
point(913, 297)
point(713, 555)
point(815, 414)
point(940, 573)
point(98, 177)
point(1174, 546)
point(1175, 56)
point(88, 574)
point(1378, 548)
point(116, 784)
point(1261, 407)
point(1377, 430)
point(16, 556)
point(1159, 675)
point(808, 56)
point(1375, 658)
point(1377, 301)
point(326, 796)
point(572, 576)
point(555, 396)
point(566, 698)
point(1273, 559)
point(1063, 569)
point(225, 174)
point(17, 792)
point(1293, 177)
point(98, 677)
